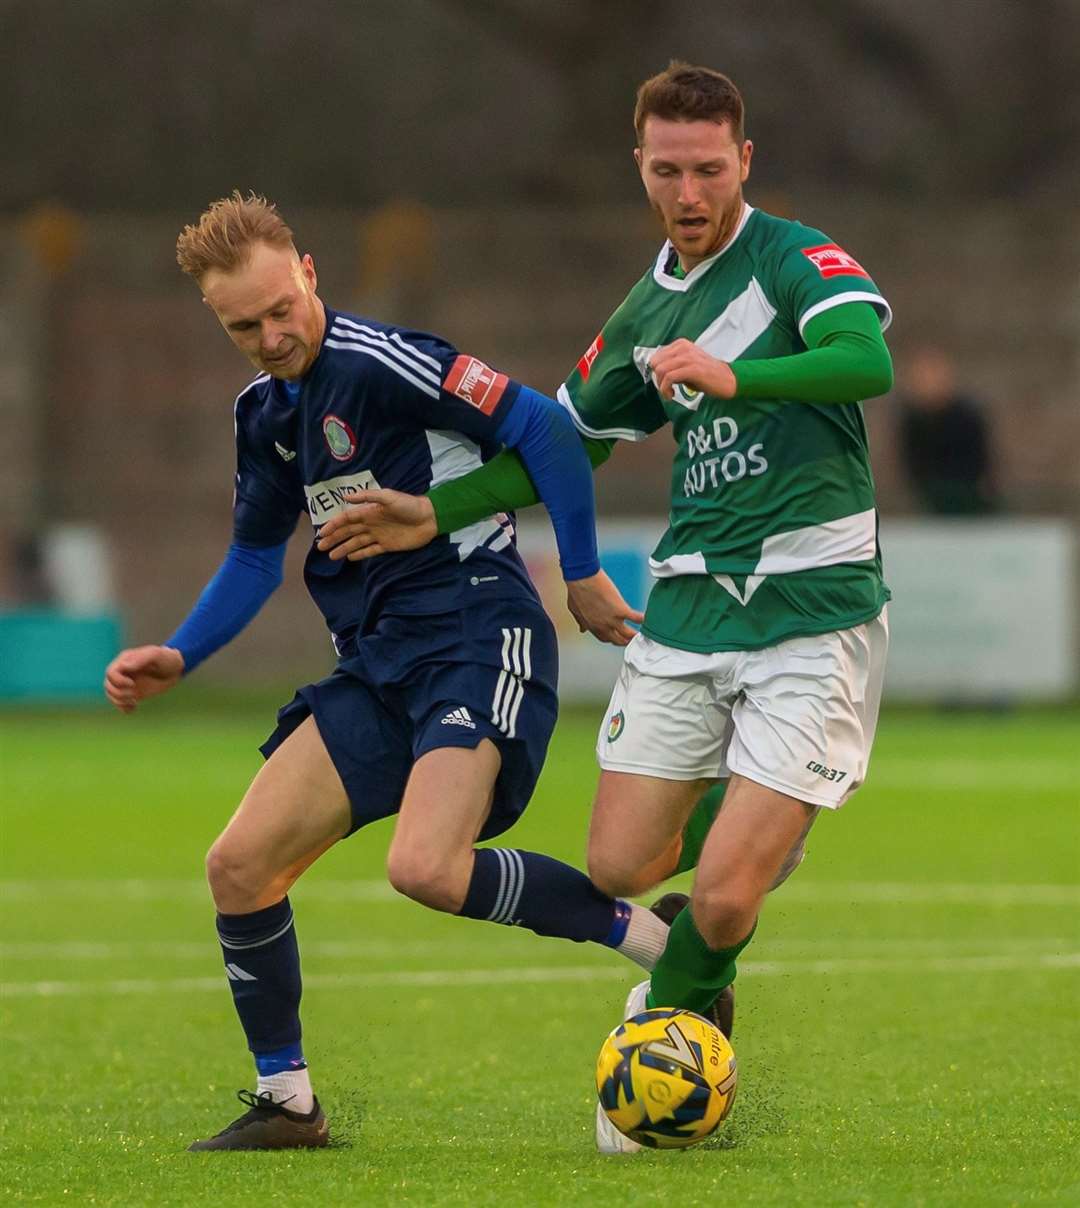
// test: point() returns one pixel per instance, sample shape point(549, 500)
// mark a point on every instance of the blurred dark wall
point(135, 105)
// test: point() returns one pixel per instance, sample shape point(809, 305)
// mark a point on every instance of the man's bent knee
point(621, 881)
point(725, 914)
point(237, 885)
point(429, 878)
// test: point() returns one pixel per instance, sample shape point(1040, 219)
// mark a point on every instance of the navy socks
point(542, 894)
point(262, 962)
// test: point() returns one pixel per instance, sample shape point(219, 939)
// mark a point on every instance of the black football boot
point(270, 1125)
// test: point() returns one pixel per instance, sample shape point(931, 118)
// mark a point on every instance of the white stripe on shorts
point(510, 687)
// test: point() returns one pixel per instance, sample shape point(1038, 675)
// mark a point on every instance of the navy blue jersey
point(379, 407)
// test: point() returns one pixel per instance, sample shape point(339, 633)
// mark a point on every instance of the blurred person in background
point(945, 439)
point(29, 583)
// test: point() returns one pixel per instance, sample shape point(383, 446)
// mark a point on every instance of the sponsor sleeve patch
point(476, 383)
point(584, 366)
point(833, 261)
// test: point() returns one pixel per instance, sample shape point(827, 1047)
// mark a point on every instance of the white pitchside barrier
point(983, 611)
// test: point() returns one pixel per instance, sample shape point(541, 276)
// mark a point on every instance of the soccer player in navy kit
point(444, 697)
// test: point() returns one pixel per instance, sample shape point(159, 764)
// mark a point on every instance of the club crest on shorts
point(340, 439)
point(616, 725)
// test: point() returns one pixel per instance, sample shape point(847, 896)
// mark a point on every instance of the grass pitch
point(906, 1029)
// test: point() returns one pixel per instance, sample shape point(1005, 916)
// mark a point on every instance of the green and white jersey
point(773, 529)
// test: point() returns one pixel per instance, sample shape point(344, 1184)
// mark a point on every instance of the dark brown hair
point(684, 93)
point(224, 234)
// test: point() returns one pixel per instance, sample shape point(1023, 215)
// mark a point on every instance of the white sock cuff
point(646, 937)
point(294, 1085)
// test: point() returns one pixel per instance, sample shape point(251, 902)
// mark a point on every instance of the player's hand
point(599, 609)
point(684, 363)
point(378, 522)
point(141, 672)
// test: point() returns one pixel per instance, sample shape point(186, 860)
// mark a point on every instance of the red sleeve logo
point(476, 383)
point(584, 366)
point(833, 261)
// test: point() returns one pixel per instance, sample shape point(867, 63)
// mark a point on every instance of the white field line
point(337, 891)
point(931, 893)
point(205, 951)
point(456, 978)
point(913, 775)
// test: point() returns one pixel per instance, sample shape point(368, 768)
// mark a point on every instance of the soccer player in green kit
point(760, 660)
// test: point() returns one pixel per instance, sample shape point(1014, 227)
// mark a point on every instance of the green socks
point(696, 830)
point(690, 974)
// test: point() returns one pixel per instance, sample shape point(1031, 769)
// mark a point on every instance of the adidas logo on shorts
point(459, 717)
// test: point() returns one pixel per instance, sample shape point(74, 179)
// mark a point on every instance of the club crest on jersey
point(687, 396)
point(584, 366)
point(616, 725)
point(340, 439)
point(833, 261)
point(476, 383)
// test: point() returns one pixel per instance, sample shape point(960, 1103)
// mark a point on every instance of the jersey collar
point(681, 284)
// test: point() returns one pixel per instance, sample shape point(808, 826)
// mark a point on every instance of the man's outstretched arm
point(246, 579)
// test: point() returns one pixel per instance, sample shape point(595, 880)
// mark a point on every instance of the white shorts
point(798, 717)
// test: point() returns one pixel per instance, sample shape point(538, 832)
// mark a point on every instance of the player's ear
point(307, 266)
point(744, 155)
point(638, 159)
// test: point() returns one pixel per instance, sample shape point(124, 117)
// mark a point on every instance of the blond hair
point(224, 235)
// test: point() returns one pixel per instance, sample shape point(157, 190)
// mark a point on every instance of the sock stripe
point(511, 883)
point(515, 879)
point(516, 860)
point(500, 897)
point(526, 889)
point(233, 946)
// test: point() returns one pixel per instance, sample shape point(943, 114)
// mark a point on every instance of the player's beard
point(728, 222)
point(725, 228)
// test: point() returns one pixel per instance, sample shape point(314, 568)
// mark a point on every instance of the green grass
point(907, 1025)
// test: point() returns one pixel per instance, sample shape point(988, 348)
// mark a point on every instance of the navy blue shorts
point(419, 683)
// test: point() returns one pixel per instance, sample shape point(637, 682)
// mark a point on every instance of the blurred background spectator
point(945, 439)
